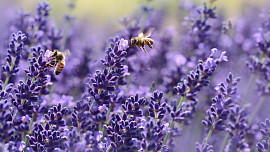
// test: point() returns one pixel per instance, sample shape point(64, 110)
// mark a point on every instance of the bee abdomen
point(59, 67)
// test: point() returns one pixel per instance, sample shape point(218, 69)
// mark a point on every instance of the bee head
point(133, 41)
point(55, 53)
point(60, 56)
point(150, 42)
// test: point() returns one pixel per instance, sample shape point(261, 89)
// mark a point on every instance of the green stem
point(79, 126)
point(169, 133)
point(15, 116)
point(257, 108)
point(224, 143)
point(172, 122)
point(109, 148)
point(26, 144)
point(31, 123)
point(99, 91)
point(107, 119)
point(180, 103)
point(3, 146)
point(210, 132)
point(110, 69)
point(26, 140)
point(242, 103)
point(155, 117)
point(8, 77)
point(247, 90)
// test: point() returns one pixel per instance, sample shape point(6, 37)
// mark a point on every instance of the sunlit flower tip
point(26, 118)
point(102, 108)
point(166, 128)
point(20, 145)
point(143, 123)
point(123, 44)
point(223, 57)
point(214, 51)
point(101, 146)
point(48, 81)
point(47, 56)
point(180, 59)
point(210, 62)
point(258, 37)
point(98, 135)
point(126, 73)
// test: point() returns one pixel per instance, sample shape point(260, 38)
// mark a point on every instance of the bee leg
point(140, 48)
point(50, 65)
point(144, 49)
point(149, 44)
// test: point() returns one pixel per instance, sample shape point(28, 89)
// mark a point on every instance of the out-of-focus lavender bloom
point(6, 122)
point(221, 107)
point(264, 145)
point(259, 62)
point(204, 148)
point(35, 27)
point(202, 34)
point(198, 78)
point(237, 128)
point(14, 52)
point(15, 146)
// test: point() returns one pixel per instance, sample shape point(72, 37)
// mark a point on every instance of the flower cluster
point(46, 138)
point(259, 62)
point(199, 78)
point(13, 57)
point(264, 145)
point(220, 109)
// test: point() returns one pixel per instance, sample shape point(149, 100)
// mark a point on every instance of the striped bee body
point(58, 61)
point(142, 39)
point(59, 67)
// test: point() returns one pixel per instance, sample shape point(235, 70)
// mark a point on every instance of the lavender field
point(194, 81)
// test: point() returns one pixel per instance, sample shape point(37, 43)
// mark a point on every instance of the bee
point(58, 60)
point(47, 140)
point(142, 39)
point(124, 130)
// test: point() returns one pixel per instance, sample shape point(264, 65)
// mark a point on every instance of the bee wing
point(141, 35)
point(66, 52)
point(148, 32)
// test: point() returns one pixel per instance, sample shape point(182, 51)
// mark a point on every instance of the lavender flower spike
point(223, 57)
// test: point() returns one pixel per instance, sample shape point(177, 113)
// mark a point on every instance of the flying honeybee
point(142, 39)
point(58, 60)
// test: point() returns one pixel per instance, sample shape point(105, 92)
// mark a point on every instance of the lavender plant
point(112, 97)
point(264, 145)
